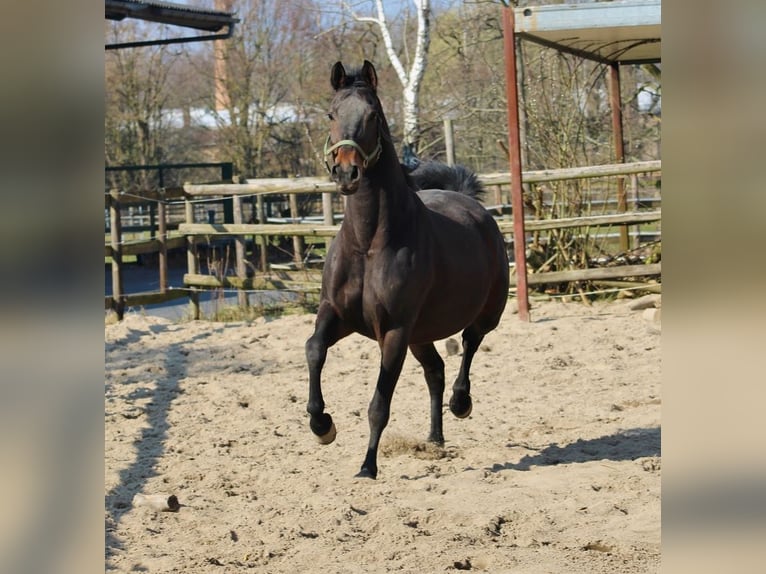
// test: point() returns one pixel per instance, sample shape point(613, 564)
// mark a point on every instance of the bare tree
point(136, 125)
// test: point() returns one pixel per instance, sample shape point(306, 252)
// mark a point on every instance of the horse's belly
point(446, 316)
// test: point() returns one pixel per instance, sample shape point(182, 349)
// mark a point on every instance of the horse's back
point(458, 217)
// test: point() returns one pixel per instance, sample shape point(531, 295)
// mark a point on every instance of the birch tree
point(412, 78)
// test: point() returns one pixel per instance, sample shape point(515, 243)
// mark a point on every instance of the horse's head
point(356, 119)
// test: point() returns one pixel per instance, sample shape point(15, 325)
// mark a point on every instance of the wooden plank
point(585, 221)
point(590, 171)
point(146, 196)
point(323, 185)
point(148, 298)
point(305, 229)
point(258, 229)
point(264, 187)
point(152, 245)
point(213, 282)
point(637, 285)
point(282, 280)
point(149, 246)
point(591, 274)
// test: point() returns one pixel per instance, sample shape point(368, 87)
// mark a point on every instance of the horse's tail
point(437, 175)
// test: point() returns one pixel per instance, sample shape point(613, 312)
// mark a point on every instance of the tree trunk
point(411, 79)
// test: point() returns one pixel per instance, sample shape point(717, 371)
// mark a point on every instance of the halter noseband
point(369, 159)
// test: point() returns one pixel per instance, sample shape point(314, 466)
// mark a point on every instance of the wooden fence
point(192, 233)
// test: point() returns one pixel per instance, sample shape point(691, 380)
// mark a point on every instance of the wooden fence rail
point(194, 233)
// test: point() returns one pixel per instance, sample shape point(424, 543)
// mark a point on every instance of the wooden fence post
point(191, 259)
point(449, 141)
point(327, 214)
point(634, 193)
point(162, 238)
point(263, 239)
point(297, 240)
point(328, 217)
point(115, 232)
point(615, 100)
point(239, 250)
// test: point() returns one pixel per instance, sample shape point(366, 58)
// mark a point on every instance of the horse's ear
point(337, 76)
point(369, 73)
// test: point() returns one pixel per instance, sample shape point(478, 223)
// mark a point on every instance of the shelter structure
point(611, 33)
point(218, 23)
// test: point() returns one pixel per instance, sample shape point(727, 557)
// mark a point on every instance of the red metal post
point(514, 151)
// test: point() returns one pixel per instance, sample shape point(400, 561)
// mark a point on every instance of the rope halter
point(369, 159)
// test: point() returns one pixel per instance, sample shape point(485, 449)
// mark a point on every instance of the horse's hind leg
point(433, 369)
point(327, 331)
point(460, 403)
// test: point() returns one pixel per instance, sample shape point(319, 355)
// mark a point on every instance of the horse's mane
point(437, 175)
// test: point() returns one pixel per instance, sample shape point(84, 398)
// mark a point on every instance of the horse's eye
point(330, 116)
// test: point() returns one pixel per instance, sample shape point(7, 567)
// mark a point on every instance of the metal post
point(514, 150)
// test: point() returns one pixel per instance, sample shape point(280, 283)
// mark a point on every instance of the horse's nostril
point(354, 173)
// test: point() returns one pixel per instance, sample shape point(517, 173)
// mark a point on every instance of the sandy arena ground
point(557, 469)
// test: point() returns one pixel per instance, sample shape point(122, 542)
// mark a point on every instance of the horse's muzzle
point(346, 177)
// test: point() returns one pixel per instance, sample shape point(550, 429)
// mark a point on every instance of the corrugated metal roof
point(625, 31)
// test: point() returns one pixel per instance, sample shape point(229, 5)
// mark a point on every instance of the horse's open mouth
point(349, 189)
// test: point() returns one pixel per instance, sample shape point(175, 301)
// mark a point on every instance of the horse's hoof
point(461, 408)
point(323, 428)
point(328, 437)
point(366, 473)
point(438, 439)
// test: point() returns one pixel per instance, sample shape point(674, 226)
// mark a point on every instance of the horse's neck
point(383, 199)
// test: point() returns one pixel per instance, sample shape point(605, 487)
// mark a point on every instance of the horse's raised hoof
point(366, 473)
point(461, 407)
point(328, 437)
point(324, 431)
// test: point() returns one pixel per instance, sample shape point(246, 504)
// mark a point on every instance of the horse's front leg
point(393, 350)
point(328, 330)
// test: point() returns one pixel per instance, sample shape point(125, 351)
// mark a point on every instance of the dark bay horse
point(407, 268)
